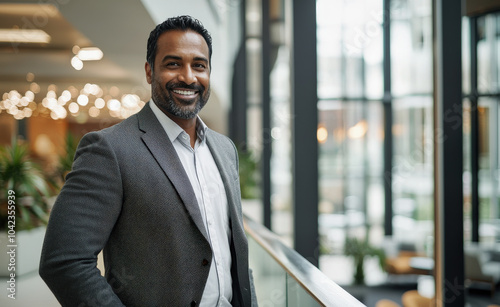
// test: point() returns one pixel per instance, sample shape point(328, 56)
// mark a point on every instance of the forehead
point(181, 43)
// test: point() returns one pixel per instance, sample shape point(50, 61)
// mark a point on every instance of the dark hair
point(182, 23)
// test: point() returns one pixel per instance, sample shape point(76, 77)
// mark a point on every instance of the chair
point(398, 255)
point(400, 265)
point(478, 268)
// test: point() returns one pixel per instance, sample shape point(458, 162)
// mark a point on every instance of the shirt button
point(204, 262)
point(193, 303)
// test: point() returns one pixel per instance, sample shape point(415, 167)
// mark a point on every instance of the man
point(158, 193)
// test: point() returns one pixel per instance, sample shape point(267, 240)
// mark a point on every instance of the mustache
point(196, 87)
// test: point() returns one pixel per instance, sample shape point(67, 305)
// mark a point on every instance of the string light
point(90, 101)
point(76, 63)
point(99, 103)
point(82, 100)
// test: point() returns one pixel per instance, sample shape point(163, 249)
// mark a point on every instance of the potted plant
point(358, 249)
point(66, 160)
point(248, 174)
point(23, 207)
point(249, 184)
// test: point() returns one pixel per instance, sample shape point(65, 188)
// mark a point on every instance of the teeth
point(184, 92)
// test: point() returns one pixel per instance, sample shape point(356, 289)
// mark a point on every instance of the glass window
point(350, 134)
point(411, 47)
point(373, 69)
point(281, 138)
point(467, 177)
point(466, 59)
point(488, 54)
point(329, 48)
point(488, 112)
point(413, 170)
point(497, 45)
point(349, 49)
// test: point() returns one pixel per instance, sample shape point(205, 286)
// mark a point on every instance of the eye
point(172, 64)
point(200, 66)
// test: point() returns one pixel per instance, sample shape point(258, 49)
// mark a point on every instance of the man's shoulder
point(122, 128)
point(219, 138)
point(116, 136)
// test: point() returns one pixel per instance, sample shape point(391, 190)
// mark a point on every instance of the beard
point(185, 109)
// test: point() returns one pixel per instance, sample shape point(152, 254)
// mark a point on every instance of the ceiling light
point(82, 100)
point(24, 36)
point(90, 54)
point(76, 63)
point(73, 107)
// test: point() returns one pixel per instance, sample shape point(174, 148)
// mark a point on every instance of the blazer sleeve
point(80, 223)
point(253, 294)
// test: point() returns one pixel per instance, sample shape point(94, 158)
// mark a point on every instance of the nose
point(187, 75)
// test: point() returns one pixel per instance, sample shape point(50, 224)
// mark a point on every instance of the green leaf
point(20, 174)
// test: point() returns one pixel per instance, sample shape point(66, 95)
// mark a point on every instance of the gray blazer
point(129, 195)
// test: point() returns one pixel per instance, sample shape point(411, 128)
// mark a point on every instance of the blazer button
point(204, 262)
point(193, 303)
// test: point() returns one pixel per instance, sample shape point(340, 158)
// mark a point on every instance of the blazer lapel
point(164, 153)
point(226, 168)
point(239, 246)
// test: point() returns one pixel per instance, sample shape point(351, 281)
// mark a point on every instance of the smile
point(184, 92)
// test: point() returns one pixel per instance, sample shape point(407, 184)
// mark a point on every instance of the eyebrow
point(176, 57)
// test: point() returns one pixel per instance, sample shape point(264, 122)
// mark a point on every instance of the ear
point(149, 72)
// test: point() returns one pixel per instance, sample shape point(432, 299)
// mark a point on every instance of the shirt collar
point(172, 129)
point(201, 128)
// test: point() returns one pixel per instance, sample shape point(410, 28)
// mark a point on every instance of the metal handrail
point(321, 288)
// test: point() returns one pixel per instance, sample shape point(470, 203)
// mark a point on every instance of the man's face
point(180, 80)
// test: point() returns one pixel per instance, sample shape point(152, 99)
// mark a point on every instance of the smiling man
point(158, 193)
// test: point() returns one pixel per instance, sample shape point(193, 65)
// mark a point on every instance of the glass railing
point(282, 277)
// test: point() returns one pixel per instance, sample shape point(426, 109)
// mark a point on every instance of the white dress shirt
point(207, 184)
